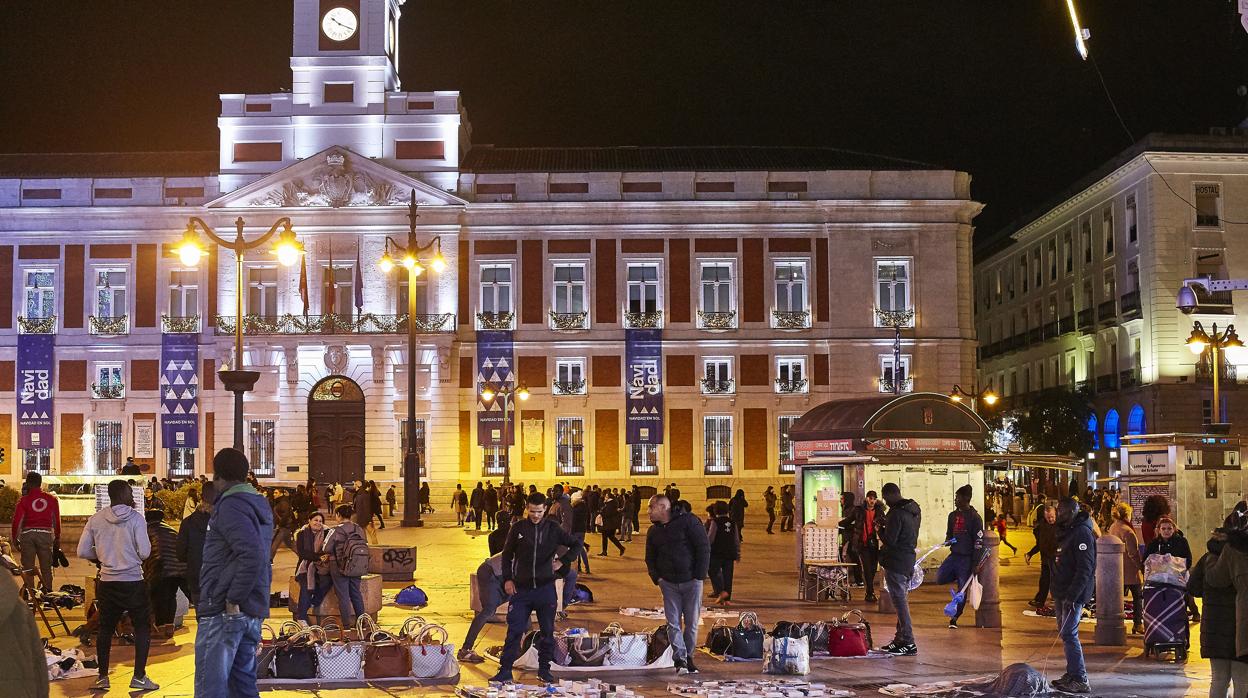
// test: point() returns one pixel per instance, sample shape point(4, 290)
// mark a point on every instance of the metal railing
point(576, 387)
point(171, 324)
point(715, 386)
point(1227, 379)
point(1214, 303)
point(790, 319)
point(108, 391)
point(109, 325)
point(796, 385)
point(568, 322)
point(717, 320)
point(366, 323)
point(1128, 378)
point(1087, 319)
point(495, 321)
point(1107, 312)
point(886, 385)
point(643, 320)
point(1130, 304)
point(1107, 383)
point(894, 318)
point(36, 325)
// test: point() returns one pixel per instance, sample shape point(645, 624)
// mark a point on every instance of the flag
point(303, 282)
point(359, 279)
point(327, 280)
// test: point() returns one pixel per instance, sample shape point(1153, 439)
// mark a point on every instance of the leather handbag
point(659, 642)
point(295, 657)
point(431, 656)
point(587, 650)
point(624, 649)
point(719, 638)
point(385, 656)
point(817, 636)
point(788, 628)
point(265, 651)
point(849, 638)
point(338, 660)
point(747, 638)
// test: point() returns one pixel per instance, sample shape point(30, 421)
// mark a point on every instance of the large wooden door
point(336, 430)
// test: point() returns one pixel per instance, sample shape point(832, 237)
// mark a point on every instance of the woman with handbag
point(313, 570)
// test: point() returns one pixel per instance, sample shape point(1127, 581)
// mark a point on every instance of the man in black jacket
point(1045, 532)
point(677, 557)
point(529, 580)
point(964, 534)
point(477, 503)
point(900, 536)
point(1074, 579)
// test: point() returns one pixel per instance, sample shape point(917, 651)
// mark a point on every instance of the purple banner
point(495, 364)
point(179, 390)
point(643, 351)
point(35, 356)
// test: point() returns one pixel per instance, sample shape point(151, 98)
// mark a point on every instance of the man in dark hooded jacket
point(678, 556)
point(900, 537)
point(1074, 579)
point(964, 534)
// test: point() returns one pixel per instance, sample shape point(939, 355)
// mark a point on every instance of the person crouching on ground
point(1074, 579)
point(900, 537)
point(964, 534)
point(678, 555)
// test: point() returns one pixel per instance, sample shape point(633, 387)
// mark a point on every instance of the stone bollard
point(988, 615)
point(1109, 618)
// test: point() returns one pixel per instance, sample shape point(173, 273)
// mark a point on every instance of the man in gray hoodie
point(116, 539)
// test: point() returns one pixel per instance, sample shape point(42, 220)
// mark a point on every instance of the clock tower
point(346, 51)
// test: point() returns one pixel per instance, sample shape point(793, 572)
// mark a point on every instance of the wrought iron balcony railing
point(576, 387)
point(108, 391)
point(109, 326)
point(171, 324)
point(1227, 379)
point(495, 321)
point(1107, 383)
point(886, 385)
point(894, 318)
point(36, 325)
point(1085, 387)
point(366, 323)
point(569, 322)
point(790, 319)
point(795, 385)
point(1215, 303)
point(1087, 319)
point(715, 386)
point(1130, 304)
point(1128, 378)
point(650, 320)
point(1107, 312)
point(1066, 325)
point(717, 320)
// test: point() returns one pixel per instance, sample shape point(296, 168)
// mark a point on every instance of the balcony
point(1016, 342)
point(367, 323)
point(1051, 330)
point(894, 318)
point(1130, 304)
point(643, 320)
point(109, 326)
point(717, 321)
point(569, 322)
point(790, 319)
point(886, 385)
point(36, 325)
point(495, 320)
point(716, 386)
point(170, 324)
point(1216, 303)
point(108, 391)
point(1107, 312)
point(796, 385)
point(1227, 379)
point(1035, 336)
point(1107, 383)
point(1066, 325)
point(1128, 378)
point(573, 387)
point(1087, 320)
point(1085, 387)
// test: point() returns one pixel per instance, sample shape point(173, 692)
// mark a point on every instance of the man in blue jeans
point(678, 555)
point(529, 580)
point(899, 535)
point(1073, 582)
point(234, 583)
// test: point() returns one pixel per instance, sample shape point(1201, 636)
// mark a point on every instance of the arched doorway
point(336, 430)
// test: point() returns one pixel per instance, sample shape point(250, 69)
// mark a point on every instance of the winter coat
point(498, 537)
point(736, 509)
point(1218, 624)
point(580, 517)
point(116, 537)
point(611, 516)
point(1132, 563)
point(1230, 568)
point(23, 669)
point(724, 539)
point(561, 513)
point(1176, 546)
point(900, 537)
point(1046, 539)
point(1074, 570)
point(236, 566)
point(477, 500)
point(305, 548)
point(858, 524)
point(970, 540)
point(191, 537)
point(362, 503)
point(490, 500)
point(530, 550)
point(163, 562)
point(769, 501)
point(677, 551)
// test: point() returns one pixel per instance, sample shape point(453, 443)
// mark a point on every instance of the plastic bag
point(1165, 569)
point(975, 594)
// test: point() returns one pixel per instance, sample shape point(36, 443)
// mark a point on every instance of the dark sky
point(991, 87)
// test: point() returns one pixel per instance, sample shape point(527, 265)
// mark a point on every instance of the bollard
point(1109, 618)
point(988, 615)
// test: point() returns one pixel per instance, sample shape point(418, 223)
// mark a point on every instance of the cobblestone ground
point(766, 582)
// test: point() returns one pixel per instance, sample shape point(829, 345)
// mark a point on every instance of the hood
point(1081, 519)
point(120, 513)
point(1215, 546)
point(907, 506)
point(245, 495)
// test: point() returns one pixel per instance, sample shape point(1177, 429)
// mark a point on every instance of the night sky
point(994, 88)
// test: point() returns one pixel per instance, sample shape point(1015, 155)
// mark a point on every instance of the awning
point(891, 421)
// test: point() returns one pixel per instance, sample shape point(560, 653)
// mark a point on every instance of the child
point(1001, 529)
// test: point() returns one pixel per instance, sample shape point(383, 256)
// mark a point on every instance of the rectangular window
point(569, 376)
point(1022, 273)
point(420, 444)
point(494, 461)
point(496, 288)
point(110, 293)
point(1085, 233)
point(1107, 230)
point(262, 446)
point(791, 287)
point(791, 374)
point(892, 286)
point(1068, 252)
point(181, 462)
point(569, 288)
point(1131, 221)
point(717, 444)
point(257, 152)
point(785, 450)
point(423, 150)
point(717, 287)
point(643, 288)
point(1037, 269)
point(107, 446)
point(422, 293)
point(643, 459)
point(338, 290)
point(1208, 205)
point(107, 381)
point(37, 460)
point(183, 293)
point(569, 446)
point(1052, 252)
point(262, 292)
point(40, 293)
point(339, 92)
point(717, 376)
point(890, 373)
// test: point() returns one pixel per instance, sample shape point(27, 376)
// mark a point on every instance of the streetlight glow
point(487, 394)
point(288, 249)
point(189, 250)
point(386, 263)
point(990, 398)
point(1081, 35)
point(409, 261)
point(523, 394)
point(439, 263)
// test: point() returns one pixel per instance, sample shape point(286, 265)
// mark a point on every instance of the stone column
point(988, 615)
point(1109, 618)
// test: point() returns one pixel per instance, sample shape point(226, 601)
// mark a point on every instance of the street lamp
point(1199, 341)
point(190, 250)
point(974, 396)
point(489, 393)
point(413, 257)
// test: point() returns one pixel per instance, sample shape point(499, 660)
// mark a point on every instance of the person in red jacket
point(37, 529)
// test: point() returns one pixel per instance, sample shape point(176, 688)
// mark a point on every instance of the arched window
point(1135, 420)
point(1111, 429)
point(1092, 424)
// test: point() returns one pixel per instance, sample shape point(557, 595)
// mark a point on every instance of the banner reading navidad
point(34, 390)
point(643, 351)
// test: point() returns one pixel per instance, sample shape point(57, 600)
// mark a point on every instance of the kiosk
point(1200, 474)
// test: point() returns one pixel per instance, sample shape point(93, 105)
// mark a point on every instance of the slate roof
point(683, 158)
point(196, 163)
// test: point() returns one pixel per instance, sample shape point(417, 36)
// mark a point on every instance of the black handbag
point(659, 642)
point(295, 658)
point(817, 636)
point(787, 628)
point(747, 638)
point(719, 638)
point(589, 650)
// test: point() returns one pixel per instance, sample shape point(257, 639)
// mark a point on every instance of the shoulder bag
point(659, 642)
point(432, 657)
point(338, 660)
point(747, 638)
point(587, 650)
point(295, 657)
point(625, 649)
point(849, 638)
point(719, 638)
point(385, 656)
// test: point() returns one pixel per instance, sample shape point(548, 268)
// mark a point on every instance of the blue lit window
point(1111, 429)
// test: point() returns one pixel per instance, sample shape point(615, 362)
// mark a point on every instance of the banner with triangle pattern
point(643, 352)
point(35, 358)
point(495, 367)
point(179, 390)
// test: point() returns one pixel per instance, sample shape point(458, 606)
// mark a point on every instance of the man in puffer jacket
point(900, 536)
point(1074, 580)
point(234, 583)
point(678, 556)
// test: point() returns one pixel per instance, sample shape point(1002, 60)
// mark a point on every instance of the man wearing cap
point(964, 535)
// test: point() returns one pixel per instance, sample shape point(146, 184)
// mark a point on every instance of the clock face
point(339, 24)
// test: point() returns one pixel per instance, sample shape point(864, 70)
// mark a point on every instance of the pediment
point(336, 177)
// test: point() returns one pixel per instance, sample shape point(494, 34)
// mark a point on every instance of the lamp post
point(414, 257)
point(288, 251)
point(974, 396)
point(1226, 341)
point(504, 392)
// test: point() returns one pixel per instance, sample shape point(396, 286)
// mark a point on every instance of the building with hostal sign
point(672, 311)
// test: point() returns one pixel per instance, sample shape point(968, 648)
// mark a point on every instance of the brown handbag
point(385, 657)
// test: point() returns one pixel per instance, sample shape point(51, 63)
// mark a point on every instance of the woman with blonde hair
point(1132, 563)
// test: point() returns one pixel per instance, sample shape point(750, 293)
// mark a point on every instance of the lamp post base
point(239, 383)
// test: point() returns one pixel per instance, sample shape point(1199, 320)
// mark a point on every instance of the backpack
point(412, 595)
point(351, 551)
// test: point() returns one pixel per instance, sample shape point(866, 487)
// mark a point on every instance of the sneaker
point(1035, 604)
point(101, 684)
point(871, 598)
point(689, 667)
point(680, 667)
point(545, 677)
point(501, 678)
point(467, 655)
point(909, 650)
point(953, 624)
point(144, 683)
point(1071, 684)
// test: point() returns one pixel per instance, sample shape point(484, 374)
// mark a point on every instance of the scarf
point(313, 568)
